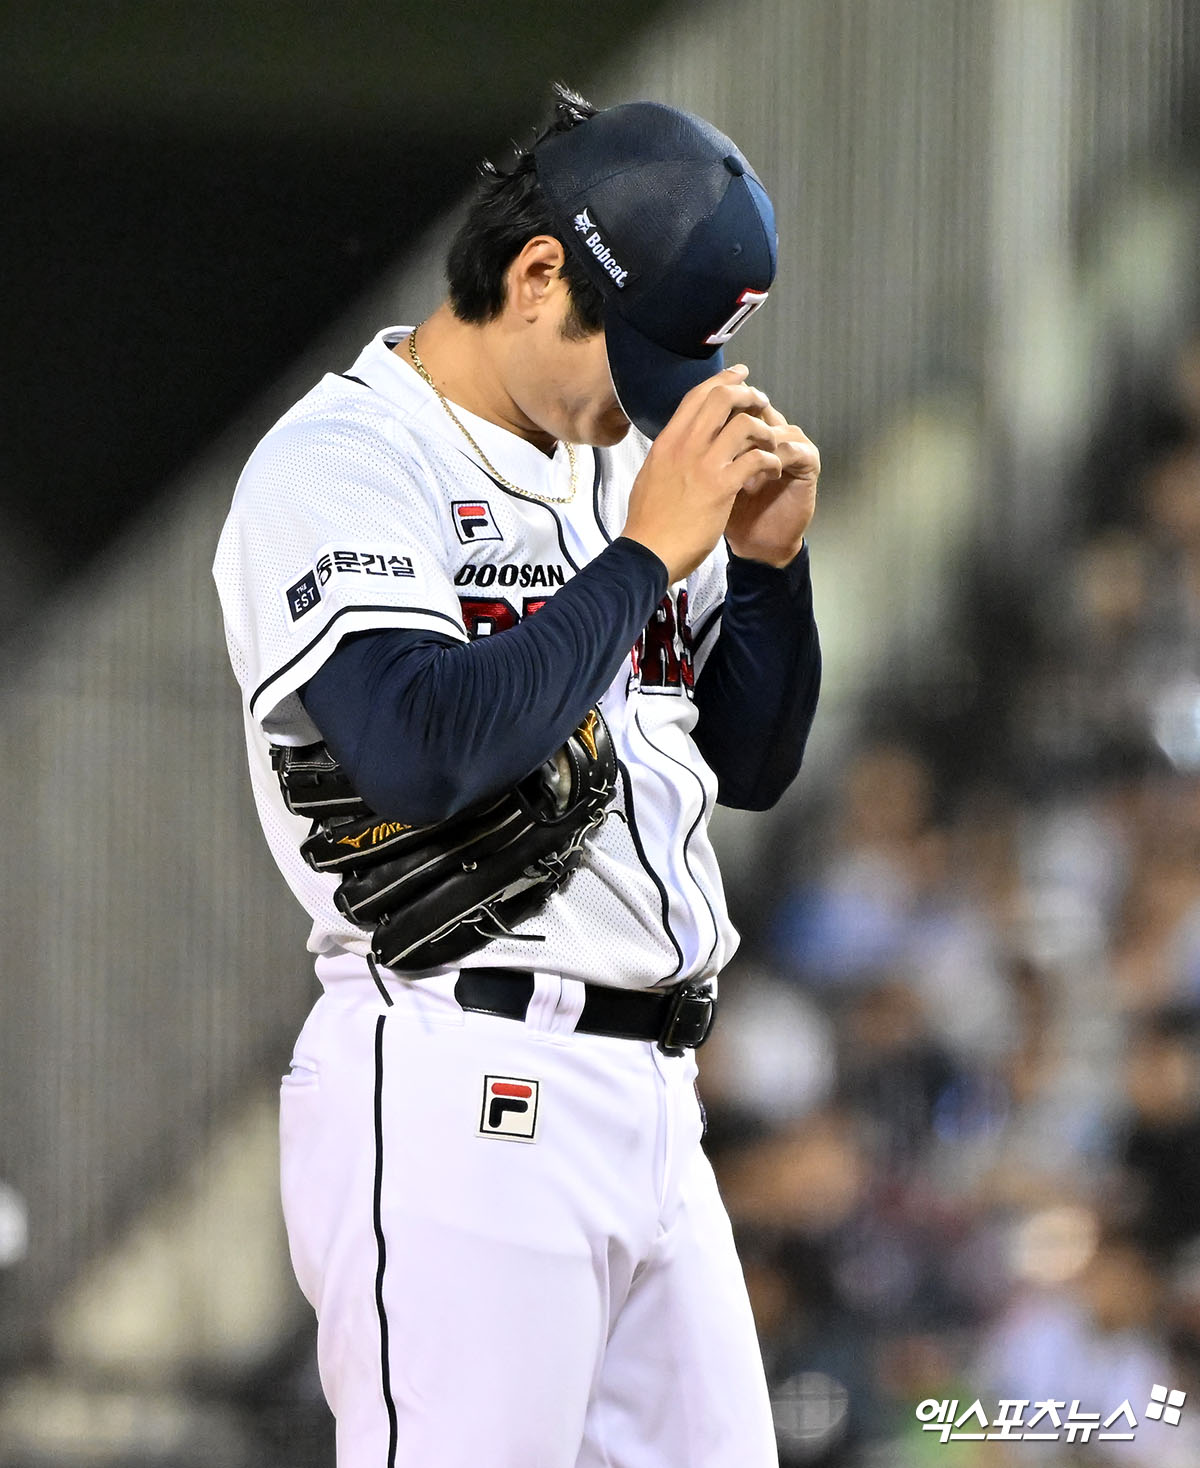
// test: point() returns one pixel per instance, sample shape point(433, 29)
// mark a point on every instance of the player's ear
point(535, 274)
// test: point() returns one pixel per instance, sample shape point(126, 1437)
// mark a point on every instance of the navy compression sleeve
point(424, 726)
point(757, 694)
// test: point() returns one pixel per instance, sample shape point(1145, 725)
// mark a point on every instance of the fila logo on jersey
point(473, 521)
point(510, 1107)
point(586, 226)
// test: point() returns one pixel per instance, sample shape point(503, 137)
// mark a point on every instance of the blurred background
point(954, 1099)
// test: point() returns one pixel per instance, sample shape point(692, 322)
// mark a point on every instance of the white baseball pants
point(512, 1239)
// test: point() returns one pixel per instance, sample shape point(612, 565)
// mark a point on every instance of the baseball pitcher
point(513, 602)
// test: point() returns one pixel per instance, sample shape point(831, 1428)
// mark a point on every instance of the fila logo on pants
point(510, 1106)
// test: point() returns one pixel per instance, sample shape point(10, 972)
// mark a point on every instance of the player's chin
point(607, 430)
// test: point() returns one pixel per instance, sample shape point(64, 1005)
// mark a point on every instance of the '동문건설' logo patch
point(339, 561)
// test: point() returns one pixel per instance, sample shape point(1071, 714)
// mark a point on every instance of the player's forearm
point(424, 726)
point(757, 695)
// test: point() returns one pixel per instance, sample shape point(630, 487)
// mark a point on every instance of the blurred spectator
point(1155, 944)
point(806, 1179)
point(888, 900)
point(771, 1059)
point(1161, 1149)
point(885, 855)
point(895, 1073)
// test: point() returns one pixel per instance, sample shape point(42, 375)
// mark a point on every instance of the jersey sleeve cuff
point(299, 668)
point(640, 562)
point(795, 578)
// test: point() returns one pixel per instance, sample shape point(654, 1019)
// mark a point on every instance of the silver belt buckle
point(689, 1020)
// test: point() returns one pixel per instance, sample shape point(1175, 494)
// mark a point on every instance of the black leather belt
point(675, 1019)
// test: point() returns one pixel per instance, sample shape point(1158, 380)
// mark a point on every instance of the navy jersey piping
point(598, 479)
point(381, 1249)
point(706, 626)
point(691, 830)
point(627, 787)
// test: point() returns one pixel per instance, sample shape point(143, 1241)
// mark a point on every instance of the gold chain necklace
point(546, 499)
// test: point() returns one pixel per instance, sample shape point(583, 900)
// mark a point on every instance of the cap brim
point(651, 381)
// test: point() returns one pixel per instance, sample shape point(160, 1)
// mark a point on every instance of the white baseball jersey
point(365, 507)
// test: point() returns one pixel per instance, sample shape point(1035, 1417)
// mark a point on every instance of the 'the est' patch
point(510, 1108)
point(303, 596)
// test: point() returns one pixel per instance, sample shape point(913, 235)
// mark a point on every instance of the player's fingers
point(710, 404)
point(800, 456)
point(751, 470)
point(724, 403)
point(692, 401)
point(792, 433)
point(742, 431)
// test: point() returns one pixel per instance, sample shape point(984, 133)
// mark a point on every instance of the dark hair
point(508, 210)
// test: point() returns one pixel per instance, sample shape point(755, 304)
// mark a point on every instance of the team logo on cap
point(473, 521)
point(510, 1107)
point(747, 303)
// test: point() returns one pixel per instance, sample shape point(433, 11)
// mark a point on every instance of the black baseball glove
point(433, 894)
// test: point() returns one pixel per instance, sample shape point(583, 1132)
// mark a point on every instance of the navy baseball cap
point(678, 233)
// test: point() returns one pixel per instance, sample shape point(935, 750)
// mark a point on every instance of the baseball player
point(513, 602)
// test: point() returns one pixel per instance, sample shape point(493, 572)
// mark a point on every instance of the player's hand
point(771, 514)
point(717, 444)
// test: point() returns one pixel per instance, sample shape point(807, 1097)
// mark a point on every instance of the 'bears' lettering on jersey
point(482, 615)
point(662, 655)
